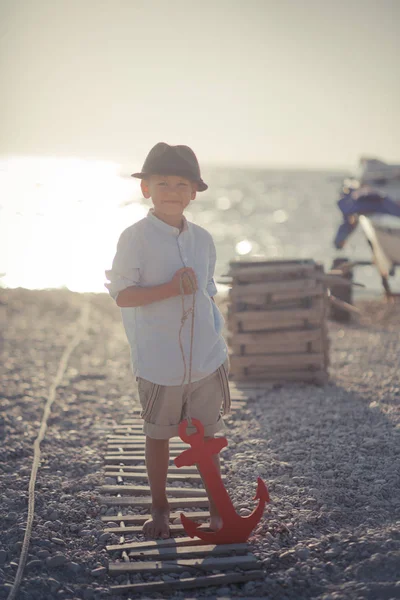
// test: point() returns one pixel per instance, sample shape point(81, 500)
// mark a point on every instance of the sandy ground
point(330, 456)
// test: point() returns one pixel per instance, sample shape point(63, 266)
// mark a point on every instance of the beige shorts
point(165, 406)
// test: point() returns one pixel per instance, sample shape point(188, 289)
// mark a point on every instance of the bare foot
point(215, 522)
point(158, 525)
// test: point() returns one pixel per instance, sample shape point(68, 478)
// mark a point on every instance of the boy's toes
point(157, 526)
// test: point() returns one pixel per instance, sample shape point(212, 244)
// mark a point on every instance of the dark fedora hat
point(164, 159)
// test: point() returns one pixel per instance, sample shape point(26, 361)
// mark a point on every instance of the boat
point(371, 199)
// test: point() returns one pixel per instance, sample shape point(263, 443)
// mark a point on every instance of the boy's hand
point(189, 281)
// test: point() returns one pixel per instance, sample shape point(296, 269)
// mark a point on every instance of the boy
point(159, 259)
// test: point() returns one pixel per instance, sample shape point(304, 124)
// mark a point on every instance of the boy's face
point(170, 194)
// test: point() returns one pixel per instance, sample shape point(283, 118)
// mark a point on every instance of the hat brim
point(201, 186)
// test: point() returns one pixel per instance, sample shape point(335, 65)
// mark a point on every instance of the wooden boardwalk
point(207, 565)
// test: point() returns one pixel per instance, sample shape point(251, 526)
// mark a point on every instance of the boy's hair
point(164, 159)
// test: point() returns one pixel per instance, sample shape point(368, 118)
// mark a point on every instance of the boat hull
point(383, 234)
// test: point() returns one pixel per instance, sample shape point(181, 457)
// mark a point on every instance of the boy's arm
point(134, 296)
point(211, 287)
point(126, 266)
point(140, 296)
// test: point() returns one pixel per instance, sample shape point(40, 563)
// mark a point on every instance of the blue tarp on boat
point(355, 203)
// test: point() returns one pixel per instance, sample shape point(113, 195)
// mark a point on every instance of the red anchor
point(235, 529)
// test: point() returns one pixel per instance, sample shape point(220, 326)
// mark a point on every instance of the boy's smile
point(170, 194)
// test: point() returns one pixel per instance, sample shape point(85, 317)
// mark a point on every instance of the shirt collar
point(164, 226)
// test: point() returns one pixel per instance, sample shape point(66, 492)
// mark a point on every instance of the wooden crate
point(277, 321)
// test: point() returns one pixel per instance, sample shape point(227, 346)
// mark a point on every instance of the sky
point(310, 83)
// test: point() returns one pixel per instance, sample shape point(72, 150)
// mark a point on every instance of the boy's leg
point(162, 408)
point(157, 460)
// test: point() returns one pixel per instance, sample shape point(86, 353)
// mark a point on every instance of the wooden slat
point(188, 583)
point(143, 502)
point(276, 348)
point(151, 544)
point(142, 469)
point(175, 528)
point(265, 378)
point(248, 323)
point(199, 515)
point(113, 448)
point(177, 566)
point(137, 456)
point(295, 286)
point(319, 290)
point(191, 551)
point(129, 427)
point(285, 360)
point(141, 490)
point(134, 454)
point(133, 439)
point(270, 270)
point(127, 459)
point(273, 337)
point(195, 477)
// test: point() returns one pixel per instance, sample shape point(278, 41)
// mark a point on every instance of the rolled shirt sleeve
point(211, 287)
point(125, 270)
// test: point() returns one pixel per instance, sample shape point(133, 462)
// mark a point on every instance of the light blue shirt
point(149, 253)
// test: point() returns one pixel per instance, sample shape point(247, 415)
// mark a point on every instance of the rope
point(82, 325)
point(185, 314)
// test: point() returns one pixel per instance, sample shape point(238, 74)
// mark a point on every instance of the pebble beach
point(329, 455)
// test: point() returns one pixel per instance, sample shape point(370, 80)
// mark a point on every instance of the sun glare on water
point(60, 221)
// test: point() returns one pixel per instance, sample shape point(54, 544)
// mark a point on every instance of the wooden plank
point(143, 502)
point(151, 544)
point(191, 551)
point(178, 566)
point(142, 490)
point(199, 515)
point(113, 448)
point(175, 528)
point(133, 427)
point(173, 453)
point(142, 469)
point(285, 360)
point(260, 337)
point(127, 459)
point(195, 477)
point(319, 290)
point(270, 270)
point(266, 320)
point(273, 287)
point(274, 316)
point(188, 583)
point(130, 440)
point(286, 348)
point(266, 378)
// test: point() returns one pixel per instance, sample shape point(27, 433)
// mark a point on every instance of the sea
point(60, 220)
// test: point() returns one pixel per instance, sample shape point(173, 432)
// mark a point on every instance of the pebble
point(74, 567)
point(98, 571)
point(33, 563)
point(3, 557)
point(223, 591)
point(58, 541)
point(185, 575)
point(56, 561)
